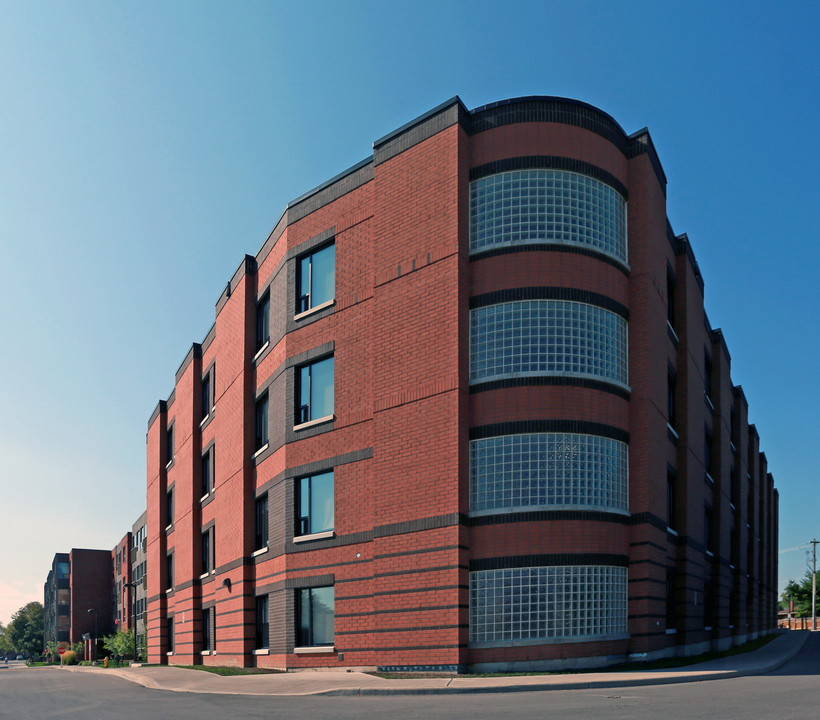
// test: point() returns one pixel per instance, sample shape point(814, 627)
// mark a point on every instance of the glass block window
point(546, 603)
point(548, 469)
point(547, 337)
point(546, 206)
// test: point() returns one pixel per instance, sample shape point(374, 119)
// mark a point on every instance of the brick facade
point(406, 544)
point(121, 579)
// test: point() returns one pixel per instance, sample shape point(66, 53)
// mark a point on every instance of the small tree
point(52, 648)
point(120, 644)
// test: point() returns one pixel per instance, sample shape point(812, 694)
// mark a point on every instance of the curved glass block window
point(547, 337)
point(524, 207)
point(547, 603)
point(546, 470)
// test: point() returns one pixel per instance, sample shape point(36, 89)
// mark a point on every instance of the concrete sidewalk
point(338, 682)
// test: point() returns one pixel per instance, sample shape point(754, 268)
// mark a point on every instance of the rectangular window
point(315, 512)
point(709, 605)
point(262, 421)
point(263, 321)
point(169, 579)
point(170, 635)
point(671, 608)
point(169, 507)
point(206, 396)
point(670, 299)
point(316, 278)
point(207, 474)
point(169, 444)
point(670, 501)
point(707, 529)
point(262, 626)
point(261, 535)
point(735, 478)
point(314, 394)
point(670, 400)
point(707, 375)
point(315, 607)
point(734, 550)
point(206, 552)
point(707, 452)
point(207, 637)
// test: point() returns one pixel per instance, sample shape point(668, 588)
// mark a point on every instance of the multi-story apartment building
point(57, 602)
point(121, 583)
point(463, 410)
point(139, 563)
point(77, 596)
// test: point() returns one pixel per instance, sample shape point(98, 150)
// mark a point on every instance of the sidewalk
point(336, 682)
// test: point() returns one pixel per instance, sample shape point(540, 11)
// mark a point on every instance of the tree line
point(24, 634)
point(800, 593)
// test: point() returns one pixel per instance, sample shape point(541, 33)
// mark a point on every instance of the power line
point(791, 549)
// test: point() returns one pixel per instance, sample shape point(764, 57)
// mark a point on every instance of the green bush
point(69, 657)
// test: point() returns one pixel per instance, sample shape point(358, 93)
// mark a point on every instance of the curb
point(681, 675)
point(659, 679)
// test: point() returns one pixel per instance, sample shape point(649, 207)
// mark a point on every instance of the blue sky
point(147, 146)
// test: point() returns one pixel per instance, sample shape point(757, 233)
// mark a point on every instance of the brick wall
point(404, 541)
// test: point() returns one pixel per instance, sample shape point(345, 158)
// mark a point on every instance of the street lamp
point(133, 587)
point(94, 610)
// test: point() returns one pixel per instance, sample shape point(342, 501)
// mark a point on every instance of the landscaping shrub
point(69, 657)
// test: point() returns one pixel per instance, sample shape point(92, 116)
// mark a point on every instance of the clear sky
point(145, 147)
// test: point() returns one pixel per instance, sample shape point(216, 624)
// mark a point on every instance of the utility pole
point(814, 584)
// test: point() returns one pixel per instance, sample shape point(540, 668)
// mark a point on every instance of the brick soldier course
point(463, 410)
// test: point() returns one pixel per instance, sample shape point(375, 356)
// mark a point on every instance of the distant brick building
point(79, 582)
point(121, 579)
point(463, 410)
point(139, 565)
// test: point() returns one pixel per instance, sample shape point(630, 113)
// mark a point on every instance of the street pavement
point(770, 657)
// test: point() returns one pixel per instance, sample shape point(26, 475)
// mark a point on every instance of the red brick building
point(77, 596)
point(463, 410)
point(121, 579)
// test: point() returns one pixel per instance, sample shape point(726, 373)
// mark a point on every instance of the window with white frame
point(547, 337)
point(263, 321)
point(547, 603)
point(262, 638)
point(315, 608)
point(536, 206)
point(547, 470)
point(207, 478)
point(314, 391)
point(207, 635)
point(315, 504)
point(316, 278)
point(261, 435)
point(205, 396)
point(261, 524)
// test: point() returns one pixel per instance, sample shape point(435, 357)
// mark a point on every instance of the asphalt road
point(792, 692)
